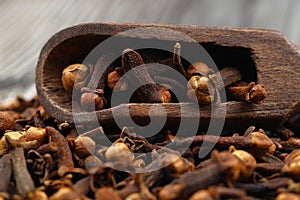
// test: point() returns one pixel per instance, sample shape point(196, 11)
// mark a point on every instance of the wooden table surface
point(25, 26)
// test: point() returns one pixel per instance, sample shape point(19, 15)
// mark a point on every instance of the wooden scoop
point(263, 56)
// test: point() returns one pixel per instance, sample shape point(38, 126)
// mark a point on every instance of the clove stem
point(264, 188)
point(64, 154)
point(24, 182)
point(149, 92)
point(251, 93)
point(82, 186)
point(92, 96)
point(5, 173)
point(176, 54)
point(219, 170)
point(256, 142)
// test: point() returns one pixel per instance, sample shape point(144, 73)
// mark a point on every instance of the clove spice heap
point(43, 158)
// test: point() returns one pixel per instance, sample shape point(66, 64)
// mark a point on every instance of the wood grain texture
point(276, 62)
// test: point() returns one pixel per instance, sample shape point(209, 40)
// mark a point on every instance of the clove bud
point(253, 93)
point(292, 165)
point(7, 122)
point(149, 93)
point(74, 74)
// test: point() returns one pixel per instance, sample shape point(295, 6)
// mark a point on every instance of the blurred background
point(25, 26)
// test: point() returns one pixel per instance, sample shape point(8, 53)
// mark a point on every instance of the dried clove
point(287, 196)
point(268, 168)
point(106, 193)
point(199, 69)
point(253, 93)
point(92, 97)
point(114, 77)
point(225, 167)
point(177, 65)
point(100, 174)
point(64, 155)
point(285, 132)
point(67, 193)
point(16, 136)
point(228, 193)
point(5, 172)
point(266, 188)
point(291, 144)
point(83, 146)
point(3, 144)
point(74, 76)
point(219, 192)
point(34, 133)
point(119, 154)
point(248, 160)
point(24, 182)
point(82, 186)
point(292, 165)
point(50, 147)
point(50, 158)
point(256, 142)
point(7, 122)
point(149, 93)
point(179, 165)
point(205, 85)
point(136, 188)
point(204, 194)
point(201, 89)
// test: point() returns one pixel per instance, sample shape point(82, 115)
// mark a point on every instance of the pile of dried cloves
point(95, 83)
point(42, 158)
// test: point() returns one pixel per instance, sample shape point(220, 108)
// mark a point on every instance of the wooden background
point(26, 25)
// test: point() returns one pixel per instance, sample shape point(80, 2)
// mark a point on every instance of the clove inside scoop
point(149, 92)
